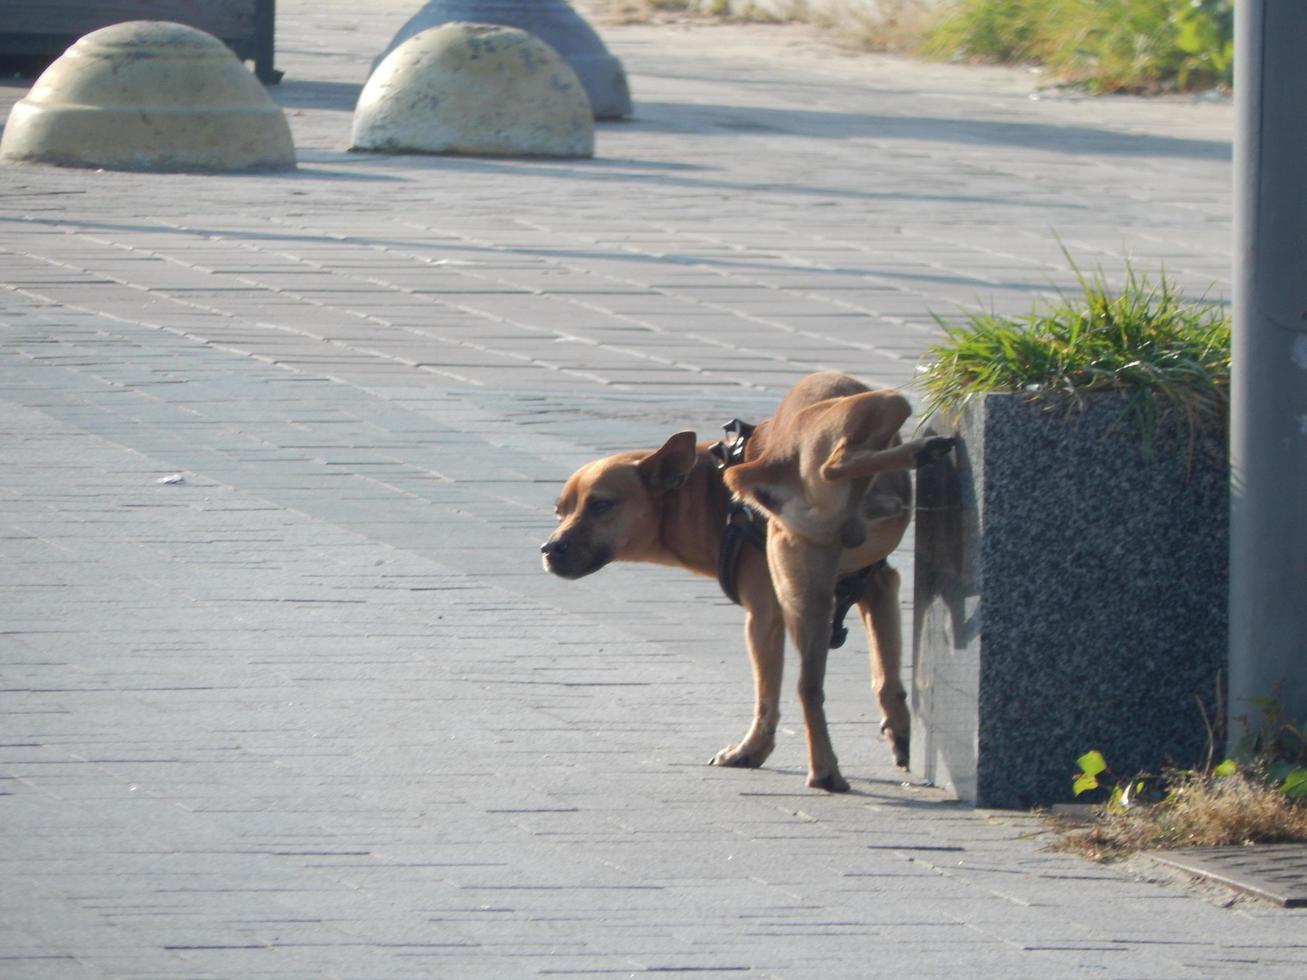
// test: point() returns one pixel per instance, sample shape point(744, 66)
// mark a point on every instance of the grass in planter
point(1169, 357)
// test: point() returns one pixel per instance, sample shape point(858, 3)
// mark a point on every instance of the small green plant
point(1124, 794)
point(1277, 749)
point(1169, 357)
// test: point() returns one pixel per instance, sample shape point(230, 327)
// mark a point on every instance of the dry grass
point(866, 25)
point(1199, 811)
point(638, 11)
point(883, 25)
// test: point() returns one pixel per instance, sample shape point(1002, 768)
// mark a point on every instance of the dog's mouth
point(572, 564)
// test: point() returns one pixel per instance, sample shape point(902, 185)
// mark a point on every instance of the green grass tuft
point(1169, 357)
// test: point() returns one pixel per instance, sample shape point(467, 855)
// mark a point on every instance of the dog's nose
point(553, 548)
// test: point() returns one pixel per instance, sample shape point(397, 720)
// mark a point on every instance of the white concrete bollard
point(149, 95)
point(555, 23)
point(478, 90)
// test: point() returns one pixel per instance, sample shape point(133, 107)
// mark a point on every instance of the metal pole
point(1268, 423)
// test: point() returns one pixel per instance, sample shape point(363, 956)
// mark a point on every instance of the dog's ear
point(868, 422)
point(669, 467)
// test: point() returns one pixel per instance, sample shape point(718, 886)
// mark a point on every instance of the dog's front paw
point(932, 449)
point(741, 756)
point(831, 782)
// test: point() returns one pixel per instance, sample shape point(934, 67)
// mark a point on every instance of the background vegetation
point(1105, 45)
point(1101, 45)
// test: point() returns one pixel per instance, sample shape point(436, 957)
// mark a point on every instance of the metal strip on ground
point(1277, 872)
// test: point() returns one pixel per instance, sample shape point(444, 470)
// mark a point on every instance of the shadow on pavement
point(817, 123)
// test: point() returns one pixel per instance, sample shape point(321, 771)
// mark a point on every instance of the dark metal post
point(1268, 425)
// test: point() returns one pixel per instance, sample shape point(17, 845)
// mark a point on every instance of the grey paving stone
point(316, 711)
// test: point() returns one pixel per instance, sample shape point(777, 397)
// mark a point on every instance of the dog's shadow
point(864, 788)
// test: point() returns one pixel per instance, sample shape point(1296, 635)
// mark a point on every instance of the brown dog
point(830, 470)
point(669, 506)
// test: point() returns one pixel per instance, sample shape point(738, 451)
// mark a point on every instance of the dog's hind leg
point(804, 577)
point(879, 608)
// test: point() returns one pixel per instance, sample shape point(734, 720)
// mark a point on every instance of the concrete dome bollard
point(475, 90)
point(149, 95)
point(555, 23)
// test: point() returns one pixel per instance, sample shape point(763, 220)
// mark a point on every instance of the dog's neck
point(691, 519)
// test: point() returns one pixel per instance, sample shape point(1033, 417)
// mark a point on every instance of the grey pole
point(1268, 423)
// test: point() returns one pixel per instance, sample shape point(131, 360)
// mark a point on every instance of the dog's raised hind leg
point(848, 462)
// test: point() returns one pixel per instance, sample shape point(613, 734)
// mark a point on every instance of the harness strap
point(742, 524)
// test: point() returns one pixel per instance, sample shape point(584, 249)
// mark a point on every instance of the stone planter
point(1071, 594)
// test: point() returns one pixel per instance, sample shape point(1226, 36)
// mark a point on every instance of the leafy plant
point(1167, 356)
point(1124, 793)
point(1277, 749)
point(1205, 33)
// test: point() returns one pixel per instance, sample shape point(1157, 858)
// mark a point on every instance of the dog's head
point(609, 509)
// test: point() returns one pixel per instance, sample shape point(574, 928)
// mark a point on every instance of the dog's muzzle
point(552, 551)
point(563, 558)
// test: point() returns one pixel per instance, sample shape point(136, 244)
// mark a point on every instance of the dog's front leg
point(879, 608)
point(764, 633)
point(804, 578)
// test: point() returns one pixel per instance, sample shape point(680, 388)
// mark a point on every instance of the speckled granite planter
point(1070, 594)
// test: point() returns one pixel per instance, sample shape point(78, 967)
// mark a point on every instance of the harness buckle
point(730, 451)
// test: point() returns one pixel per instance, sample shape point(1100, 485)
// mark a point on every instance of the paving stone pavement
point(285, 692)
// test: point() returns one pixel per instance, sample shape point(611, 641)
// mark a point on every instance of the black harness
point(744, 524)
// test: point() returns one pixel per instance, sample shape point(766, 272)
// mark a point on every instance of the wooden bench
point(35, 32)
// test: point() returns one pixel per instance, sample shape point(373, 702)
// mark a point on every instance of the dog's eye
point(599, 505)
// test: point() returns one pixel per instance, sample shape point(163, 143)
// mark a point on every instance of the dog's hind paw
point(932, 448)
point(831, 782)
